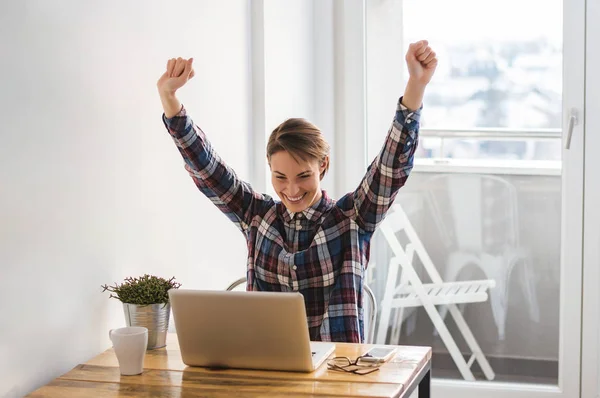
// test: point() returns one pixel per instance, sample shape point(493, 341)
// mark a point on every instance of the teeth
point(295, 199)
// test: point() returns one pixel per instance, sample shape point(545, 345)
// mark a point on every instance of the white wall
point(349, 154)
point(385, 69)
point(303, 57)
point(92, 189)
point(288, 59)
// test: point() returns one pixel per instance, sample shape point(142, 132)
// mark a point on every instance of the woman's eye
point(280, 178)
point(304, 177)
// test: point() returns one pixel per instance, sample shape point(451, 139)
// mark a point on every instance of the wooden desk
point(165, 375)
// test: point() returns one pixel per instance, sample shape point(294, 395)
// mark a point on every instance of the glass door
point(496, 193)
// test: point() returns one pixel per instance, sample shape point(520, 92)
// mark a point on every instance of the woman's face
point(297, 183)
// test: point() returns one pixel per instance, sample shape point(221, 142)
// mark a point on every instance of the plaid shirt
point(321, 252)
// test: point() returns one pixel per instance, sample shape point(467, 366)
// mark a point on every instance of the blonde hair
point(301, 139)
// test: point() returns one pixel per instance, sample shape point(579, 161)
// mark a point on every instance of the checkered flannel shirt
point(321, 252)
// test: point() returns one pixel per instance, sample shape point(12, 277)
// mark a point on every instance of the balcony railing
point(441, 144)
point(493, 133)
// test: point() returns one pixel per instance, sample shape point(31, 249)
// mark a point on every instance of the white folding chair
point(412, 292)
point(481, 213)
point(370, 308)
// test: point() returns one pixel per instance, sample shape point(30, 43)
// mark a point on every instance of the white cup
point(130, 345)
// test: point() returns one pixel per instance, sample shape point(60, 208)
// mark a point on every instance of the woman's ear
point(324, 166)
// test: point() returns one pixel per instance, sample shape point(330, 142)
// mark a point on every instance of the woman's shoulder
point(265, 201)
point(346, 202)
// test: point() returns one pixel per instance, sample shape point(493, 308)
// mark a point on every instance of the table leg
point(425, 385)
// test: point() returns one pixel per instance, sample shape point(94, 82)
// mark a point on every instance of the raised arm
point(211, 175)
point(388, 172)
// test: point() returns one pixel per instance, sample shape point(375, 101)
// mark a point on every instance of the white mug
point(130, 345)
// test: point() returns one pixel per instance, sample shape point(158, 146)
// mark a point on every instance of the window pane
point(489, 148)
point(497, 68)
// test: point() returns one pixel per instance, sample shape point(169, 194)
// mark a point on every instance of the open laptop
point(248, 330)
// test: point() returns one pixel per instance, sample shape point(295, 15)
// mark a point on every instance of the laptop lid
point(253, 330)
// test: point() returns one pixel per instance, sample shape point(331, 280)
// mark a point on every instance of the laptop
point(245, 330)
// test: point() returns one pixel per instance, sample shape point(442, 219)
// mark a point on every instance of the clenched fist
point(421, 61)
point(179, 71)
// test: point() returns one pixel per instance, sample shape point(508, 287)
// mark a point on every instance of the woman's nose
point(293, 190)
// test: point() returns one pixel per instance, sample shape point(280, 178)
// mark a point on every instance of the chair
point(412, 292)
point(370, 308)
point(237, 283)
point(482, 210)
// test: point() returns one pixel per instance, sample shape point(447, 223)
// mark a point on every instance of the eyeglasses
point(358, 366)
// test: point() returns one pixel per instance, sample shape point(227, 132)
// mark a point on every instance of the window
point(497, 93)
point(486, 187)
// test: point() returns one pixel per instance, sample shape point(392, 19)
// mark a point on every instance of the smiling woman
point(299, 158)
point(306, 242)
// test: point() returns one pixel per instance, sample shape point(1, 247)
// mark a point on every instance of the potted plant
point(146, 303)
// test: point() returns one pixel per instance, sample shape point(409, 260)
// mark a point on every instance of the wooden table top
point(165, 375)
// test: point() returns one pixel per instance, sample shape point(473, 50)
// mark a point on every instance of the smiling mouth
point(297, 199)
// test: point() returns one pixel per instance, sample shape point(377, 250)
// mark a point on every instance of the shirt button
point(294, 268)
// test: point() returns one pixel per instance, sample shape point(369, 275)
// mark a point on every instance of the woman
point(306, 242)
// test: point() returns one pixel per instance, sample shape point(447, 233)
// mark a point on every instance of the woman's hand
point(179, 71)
point(421, 61)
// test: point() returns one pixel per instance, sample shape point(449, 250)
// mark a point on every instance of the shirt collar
point(312, 213)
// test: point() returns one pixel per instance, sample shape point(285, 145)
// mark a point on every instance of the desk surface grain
point(165, 375)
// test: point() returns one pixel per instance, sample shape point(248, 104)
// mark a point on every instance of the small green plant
point(147, 289)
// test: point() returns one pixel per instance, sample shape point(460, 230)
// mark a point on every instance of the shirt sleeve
point(234, 197)
point(388, 172)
